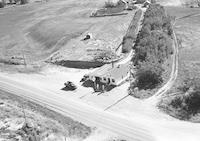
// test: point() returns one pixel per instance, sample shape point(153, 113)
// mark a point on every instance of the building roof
point(116, 72)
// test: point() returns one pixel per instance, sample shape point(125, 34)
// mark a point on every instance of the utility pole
point(24, 113)
point(25, 64)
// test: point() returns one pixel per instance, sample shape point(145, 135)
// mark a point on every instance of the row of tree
point(131, 34)
point(153, 46)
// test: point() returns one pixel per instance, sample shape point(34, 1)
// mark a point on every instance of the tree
point(140, 1)
point(149, 73)
point(153, 1)
point(153, 46)
point(2, 3)
point(23, 1)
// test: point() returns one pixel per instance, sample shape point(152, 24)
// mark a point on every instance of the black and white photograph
point(99, 70)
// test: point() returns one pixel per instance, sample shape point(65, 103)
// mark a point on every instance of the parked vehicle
point(70, 86)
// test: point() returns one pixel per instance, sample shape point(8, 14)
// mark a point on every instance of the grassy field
point(55, 29)
point(51, 125)
point(36, 28)
point(188, 33)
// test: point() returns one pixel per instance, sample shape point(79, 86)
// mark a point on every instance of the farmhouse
point(108, 76)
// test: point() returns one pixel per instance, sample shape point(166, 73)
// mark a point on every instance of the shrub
point(23, 1)
point(110, 4)
point(153, 1)
point(148, 73)
point(186, 106)
point(140, 1)
point(105, 56)
point(127, 44)
point(193, 103)
point(2, 3)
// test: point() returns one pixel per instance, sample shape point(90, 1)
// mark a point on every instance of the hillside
point(37, 31)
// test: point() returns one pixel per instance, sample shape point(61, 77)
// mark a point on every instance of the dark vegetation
point(131, 35)
point(110, 4)
point(23, 1)
point(140, 1)
point(2, 4)
point(110, 8)
point(185, 103)
point(105, 56)
point(152, 48)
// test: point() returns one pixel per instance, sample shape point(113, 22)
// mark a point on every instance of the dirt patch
point(79, 64)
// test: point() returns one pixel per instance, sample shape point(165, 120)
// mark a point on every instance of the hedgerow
point(153, 47)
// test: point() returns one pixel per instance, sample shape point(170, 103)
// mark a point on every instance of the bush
point(153, 1)
point(23, 1)
point(105, 56)
point(110, 8)
point(140, 1)
point(192, 103)
point(2, 3)
point(186, 106)
point(148, 74)
point(110, 4)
